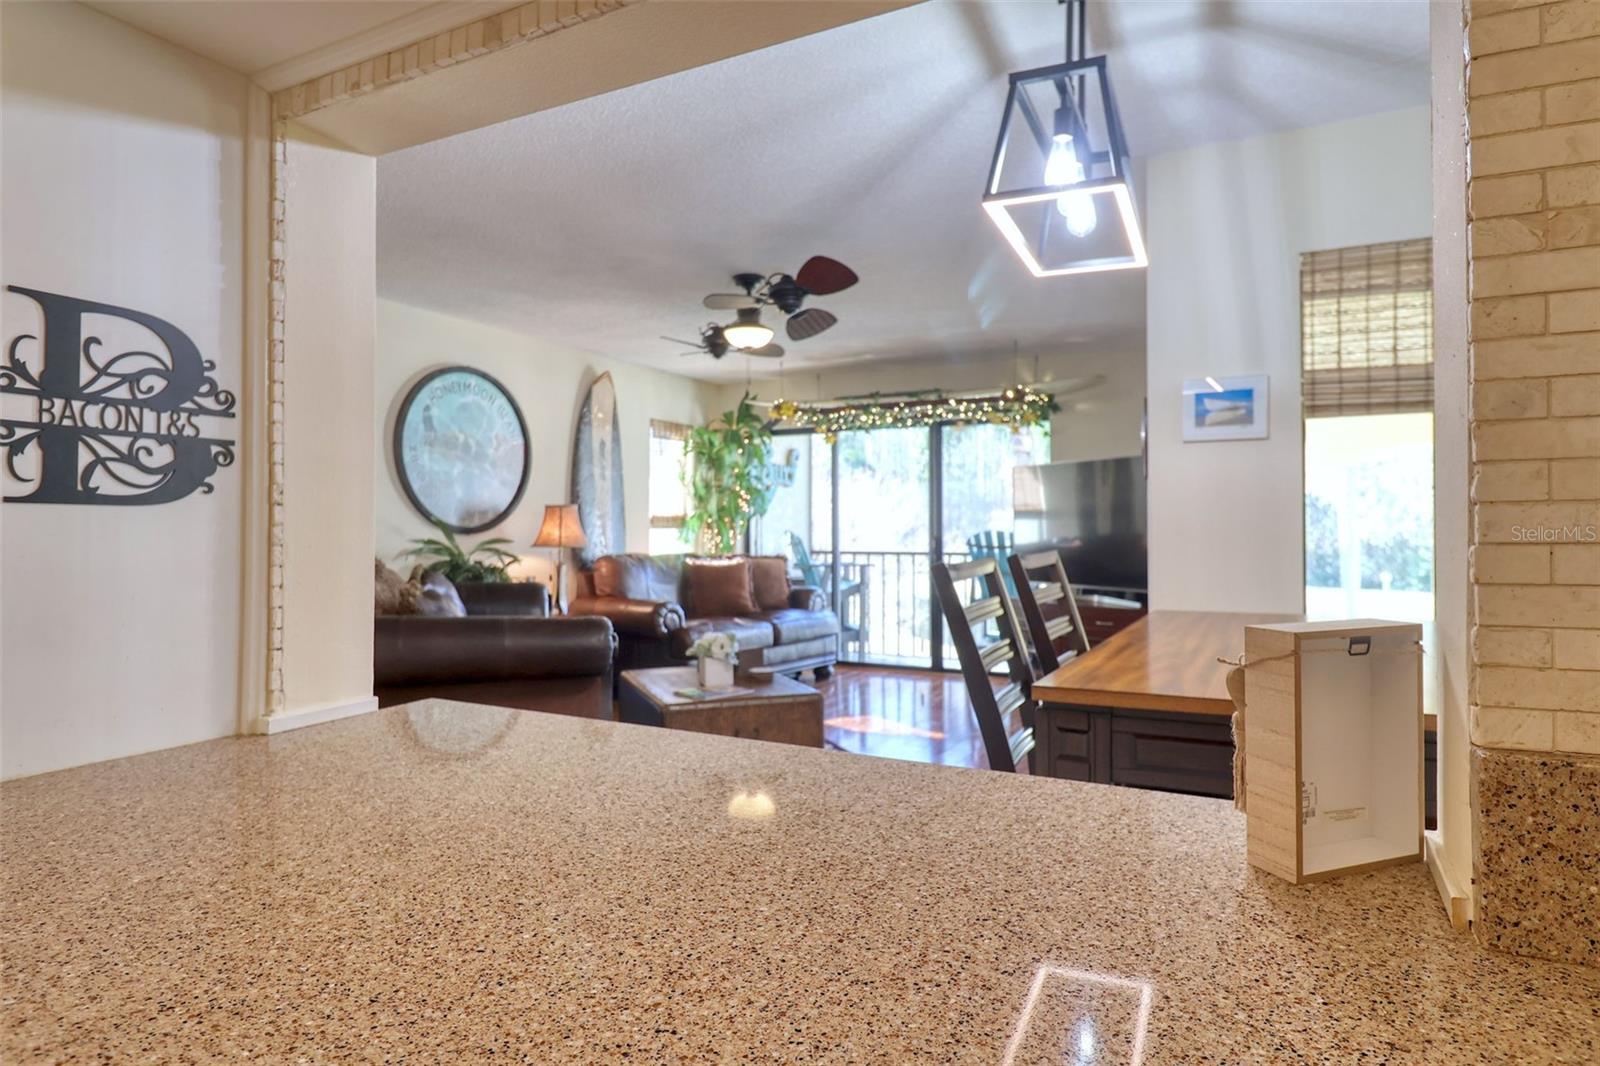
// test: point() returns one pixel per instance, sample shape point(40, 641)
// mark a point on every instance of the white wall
point(1226, 225)
point(331, 228)
point(123, 178)
point(1450, 848)
point(548, 382)
point(1101, 393)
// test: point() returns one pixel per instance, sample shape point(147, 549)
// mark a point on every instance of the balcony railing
point(886, 607)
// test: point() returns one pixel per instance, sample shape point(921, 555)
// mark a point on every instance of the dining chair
point(1005, 745)
point(1040, 579)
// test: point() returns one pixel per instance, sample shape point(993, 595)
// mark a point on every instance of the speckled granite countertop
point(446, 883)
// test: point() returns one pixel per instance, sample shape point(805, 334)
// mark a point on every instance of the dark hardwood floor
point(916, 715)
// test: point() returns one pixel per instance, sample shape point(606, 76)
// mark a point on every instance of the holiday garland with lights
point(1017, 406)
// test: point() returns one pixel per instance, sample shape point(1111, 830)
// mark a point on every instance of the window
point(889, 490)
point(977, 466)
point(1366, 325)
point(669, 496)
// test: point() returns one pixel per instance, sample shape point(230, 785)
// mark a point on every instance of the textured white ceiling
point(602, 223)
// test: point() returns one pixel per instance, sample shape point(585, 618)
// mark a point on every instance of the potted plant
point(729, 477)
point(485, 563)
point(715, 655)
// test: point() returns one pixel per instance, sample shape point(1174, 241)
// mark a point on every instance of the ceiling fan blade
point(809, 323)
point(675, 340)
point(822, 276)
point(766, 351)
point(730, 301)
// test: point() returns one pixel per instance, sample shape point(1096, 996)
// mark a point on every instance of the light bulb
point(1064, 168)
point(748, 332)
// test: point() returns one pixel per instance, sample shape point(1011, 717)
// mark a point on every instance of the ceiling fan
point(820, 276)
point(714, 342)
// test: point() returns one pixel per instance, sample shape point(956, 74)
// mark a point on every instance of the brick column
point(1533, 84)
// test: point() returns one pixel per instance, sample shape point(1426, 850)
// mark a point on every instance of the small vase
point(714, 673)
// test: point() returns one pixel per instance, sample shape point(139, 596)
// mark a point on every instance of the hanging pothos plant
point(728, 477)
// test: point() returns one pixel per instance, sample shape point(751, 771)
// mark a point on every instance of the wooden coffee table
point(759, 708)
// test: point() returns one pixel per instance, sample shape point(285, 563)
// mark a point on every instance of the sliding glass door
point(866, 517)
point(976, 507)
point(885, 526)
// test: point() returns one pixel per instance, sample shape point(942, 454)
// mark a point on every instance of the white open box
point(1333, 746)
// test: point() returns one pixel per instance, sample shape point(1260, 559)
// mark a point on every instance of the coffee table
point(759, 708)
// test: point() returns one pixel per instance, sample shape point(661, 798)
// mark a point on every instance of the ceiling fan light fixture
point(747, 331)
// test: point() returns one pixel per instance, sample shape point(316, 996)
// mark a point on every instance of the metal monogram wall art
point(118, 422)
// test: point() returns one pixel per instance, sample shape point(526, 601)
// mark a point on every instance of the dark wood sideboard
point(1104, 616)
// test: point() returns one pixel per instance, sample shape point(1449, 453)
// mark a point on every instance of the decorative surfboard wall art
point(461, 449)
point(121, 412)
point(597, 472)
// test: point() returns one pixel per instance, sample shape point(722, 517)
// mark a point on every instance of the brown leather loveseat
point(783, 628)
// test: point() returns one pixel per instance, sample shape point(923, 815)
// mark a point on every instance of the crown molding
point(358, 47)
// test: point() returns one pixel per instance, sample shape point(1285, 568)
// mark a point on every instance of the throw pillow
point(770, 576)
point(653, 578)
point(439, 598)
point(720, 588)
point(393, 594)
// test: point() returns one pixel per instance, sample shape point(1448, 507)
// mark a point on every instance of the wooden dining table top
point(1167, 661)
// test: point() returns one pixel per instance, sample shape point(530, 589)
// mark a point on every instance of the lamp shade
point(561, 528)
point(748, 331)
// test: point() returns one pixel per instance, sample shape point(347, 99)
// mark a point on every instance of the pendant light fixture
point(1059, 190)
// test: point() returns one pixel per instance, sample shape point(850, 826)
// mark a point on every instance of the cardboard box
point(1333, 746)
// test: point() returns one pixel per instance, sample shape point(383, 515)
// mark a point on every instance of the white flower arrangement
point(722, 646)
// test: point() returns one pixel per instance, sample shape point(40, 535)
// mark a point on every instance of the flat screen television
point(1093, 512)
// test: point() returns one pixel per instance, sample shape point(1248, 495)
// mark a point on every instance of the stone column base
point(1536, 853)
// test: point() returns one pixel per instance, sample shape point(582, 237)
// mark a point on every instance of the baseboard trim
point(1456, 897)
point(317, 714)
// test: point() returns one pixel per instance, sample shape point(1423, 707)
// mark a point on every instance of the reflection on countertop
point(448, 882)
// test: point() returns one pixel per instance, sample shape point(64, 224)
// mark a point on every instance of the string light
point(1018, 406)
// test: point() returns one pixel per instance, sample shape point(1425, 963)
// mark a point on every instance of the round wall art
point(461, 449)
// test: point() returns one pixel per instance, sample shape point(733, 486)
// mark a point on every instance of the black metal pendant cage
point(1059, 189)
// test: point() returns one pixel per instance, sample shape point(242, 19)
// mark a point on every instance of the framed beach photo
point(1225, 408)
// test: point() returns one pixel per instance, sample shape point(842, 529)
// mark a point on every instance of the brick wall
point(1534, 114)
point(1533, 84)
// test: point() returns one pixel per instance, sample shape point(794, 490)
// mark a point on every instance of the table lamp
point(561, 529)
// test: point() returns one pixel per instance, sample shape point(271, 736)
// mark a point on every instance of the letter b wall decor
point(122, 429)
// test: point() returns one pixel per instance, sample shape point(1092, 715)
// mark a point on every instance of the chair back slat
point(1010, 698)
point(970, 569)
point(1040, 579)
point(996, 653)
point(984, 609)
point(1047, 592)
point(1022, 744)
point(1060, 627)
point(1039, 560)
point(1005, 744)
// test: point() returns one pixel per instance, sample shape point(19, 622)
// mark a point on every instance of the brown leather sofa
point(503, 653)
point(654, 614)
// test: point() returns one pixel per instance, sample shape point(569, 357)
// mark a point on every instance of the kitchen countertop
point(443, 881)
